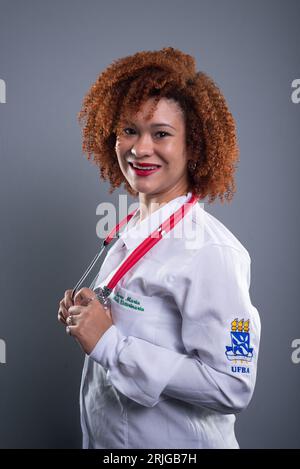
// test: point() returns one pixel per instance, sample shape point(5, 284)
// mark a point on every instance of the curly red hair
point(128, 82)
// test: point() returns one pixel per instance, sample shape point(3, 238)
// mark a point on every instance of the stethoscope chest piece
point(102, 295)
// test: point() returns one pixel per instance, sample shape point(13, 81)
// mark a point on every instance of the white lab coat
point(172, 371)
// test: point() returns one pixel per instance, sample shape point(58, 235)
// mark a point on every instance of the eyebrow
point(160, 124)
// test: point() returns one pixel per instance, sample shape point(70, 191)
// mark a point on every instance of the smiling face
point(160, 142)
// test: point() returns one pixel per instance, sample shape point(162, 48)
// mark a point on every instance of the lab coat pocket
point(134, 314)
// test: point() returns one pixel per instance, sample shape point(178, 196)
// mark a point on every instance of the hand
point(64, 306)
point(89, 319)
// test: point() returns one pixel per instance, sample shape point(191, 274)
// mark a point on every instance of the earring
point(192, 165)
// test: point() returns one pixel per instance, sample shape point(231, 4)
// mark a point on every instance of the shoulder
point(217, 258)
point(213, 234)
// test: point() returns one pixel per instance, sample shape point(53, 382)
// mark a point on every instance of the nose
point(142, 147)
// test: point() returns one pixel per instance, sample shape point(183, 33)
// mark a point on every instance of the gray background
point(50, 53)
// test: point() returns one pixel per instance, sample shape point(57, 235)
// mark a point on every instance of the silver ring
point(68, 330)
point(69, 320)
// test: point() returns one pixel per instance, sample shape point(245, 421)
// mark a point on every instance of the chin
point(143, 187)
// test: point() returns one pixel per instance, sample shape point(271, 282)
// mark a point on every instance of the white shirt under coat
point(160, 376)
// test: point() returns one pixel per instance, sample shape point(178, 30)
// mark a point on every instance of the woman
point(173, 358)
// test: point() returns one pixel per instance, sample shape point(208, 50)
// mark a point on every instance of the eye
point(128, 128)
point(162, 132)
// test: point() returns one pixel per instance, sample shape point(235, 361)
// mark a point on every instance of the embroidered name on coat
point(128, 302)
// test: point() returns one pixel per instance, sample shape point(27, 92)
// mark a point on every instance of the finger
point(72, 320)
point(75, 310)
point(60, 317)
point(68, 299)
point(83, 296)
point(62, 310)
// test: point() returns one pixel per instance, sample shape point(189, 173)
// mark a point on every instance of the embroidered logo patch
point(240, 342)
point(128, 302)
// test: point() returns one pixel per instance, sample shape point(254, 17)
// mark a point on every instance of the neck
point(151, 202)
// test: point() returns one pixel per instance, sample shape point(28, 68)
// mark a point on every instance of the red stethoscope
point(103, 293)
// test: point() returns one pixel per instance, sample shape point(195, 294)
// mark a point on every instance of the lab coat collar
point(135, 231)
